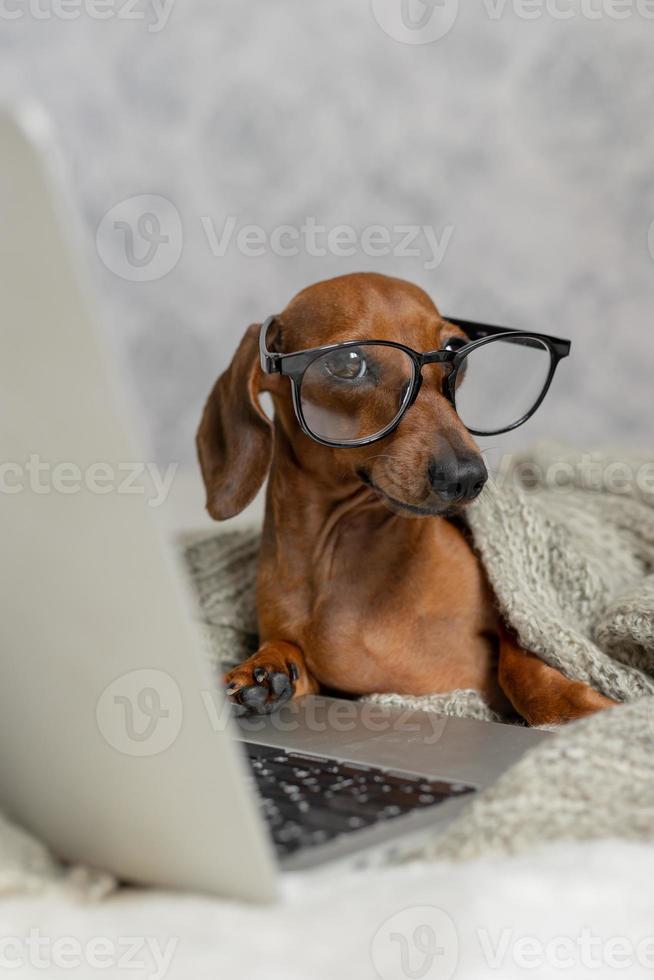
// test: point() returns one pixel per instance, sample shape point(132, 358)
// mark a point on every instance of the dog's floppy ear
point(235, 437)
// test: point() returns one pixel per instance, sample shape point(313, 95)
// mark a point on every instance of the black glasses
point(354, 393)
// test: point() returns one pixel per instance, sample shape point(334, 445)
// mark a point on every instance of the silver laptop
point(116, 746)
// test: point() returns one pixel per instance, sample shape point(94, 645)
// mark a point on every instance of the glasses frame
point(293, 365)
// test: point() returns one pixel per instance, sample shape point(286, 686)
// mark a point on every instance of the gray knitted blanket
point(567, 540)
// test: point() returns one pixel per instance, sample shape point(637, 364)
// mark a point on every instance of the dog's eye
point(346, 365)
point(455, 343)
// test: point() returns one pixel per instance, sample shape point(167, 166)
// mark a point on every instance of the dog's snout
point(459, 479)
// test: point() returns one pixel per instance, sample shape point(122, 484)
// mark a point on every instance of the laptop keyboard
point(308, 800)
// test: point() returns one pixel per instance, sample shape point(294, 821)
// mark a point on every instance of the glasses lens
point(353, 393)
point(500, 382)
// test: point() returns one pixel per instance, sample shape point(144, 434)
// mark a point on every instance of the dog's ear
point(235, 439)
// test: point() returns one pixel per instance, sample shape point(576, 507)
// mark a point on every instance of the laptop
point(117, 747)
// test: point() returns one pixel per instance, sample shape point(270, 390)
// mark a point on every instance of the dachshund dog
point(367, 581)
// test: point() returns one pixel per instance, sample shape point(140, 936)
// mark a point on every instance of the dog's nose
point(458, 479)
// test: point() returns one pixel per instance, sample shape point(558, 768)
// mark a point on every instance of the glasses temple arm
point(477, 330)
point(270, 362)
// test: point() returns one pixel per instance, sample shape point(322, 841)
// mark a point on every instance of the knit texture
point(569, 551)
point(571, 565)
point(595, 779)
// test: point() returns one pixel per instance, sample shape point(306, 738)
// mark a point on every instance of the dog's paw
point(259, 687)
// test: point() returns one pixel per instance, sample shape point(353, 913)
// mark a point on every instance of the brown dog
point(353, 596)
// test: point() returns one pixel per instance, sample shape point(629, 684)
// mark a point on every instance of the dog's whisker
point(384, 456)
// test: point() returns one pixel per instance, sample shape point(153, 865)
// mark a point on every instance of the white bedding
point(565, 910)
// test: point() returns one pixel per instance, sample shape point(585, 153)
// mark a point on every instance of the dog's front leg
point(274, 674)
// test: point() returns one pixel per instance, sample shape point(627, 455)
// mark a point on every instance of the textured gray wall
point(528, 141)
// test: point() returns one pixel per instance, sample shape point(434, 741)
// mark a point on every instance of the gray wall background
point(532, 139)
